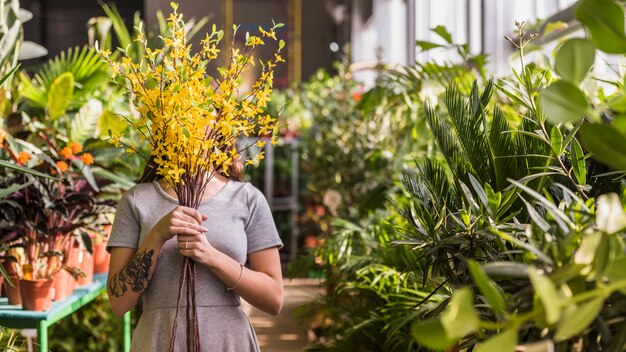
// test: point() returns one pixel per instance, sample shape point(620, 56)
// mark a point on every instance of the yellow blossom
point(190, 119)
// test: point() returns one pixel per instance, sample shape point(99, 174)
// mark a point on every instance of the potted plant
point(47, 215)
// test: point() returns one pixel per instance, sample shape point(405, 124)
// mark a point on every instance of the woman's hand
point(180, 221)
point(196, 247)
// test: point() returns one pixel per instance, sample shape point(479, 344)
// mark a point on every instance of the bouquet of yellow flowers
point(191, 119)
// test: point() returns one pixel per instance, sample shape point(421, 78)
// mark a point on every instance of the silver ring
point(186, 244)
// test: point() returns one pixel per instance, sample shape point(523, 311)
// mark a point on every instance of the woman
point(151, 234)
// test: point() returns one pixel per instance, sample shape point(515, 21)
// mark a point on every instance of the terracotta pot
point(63, 285)
point(86, 265)
point(36, 294)
point(13, 293)
point(100, 258)
point(72, 262)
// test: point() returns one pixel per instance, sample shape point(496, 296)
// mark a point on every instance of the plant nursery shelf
point(15, 317)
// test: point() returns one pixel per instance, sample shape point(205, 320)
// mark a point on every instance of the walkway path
point(283, 333)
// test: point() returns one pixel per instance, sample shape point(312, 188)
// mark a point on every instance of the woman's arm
point(261, 285)
point(130, 270)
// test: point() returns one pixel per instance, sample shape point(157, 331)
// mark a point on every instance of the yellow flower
point(190, 119)
point(254, 41)
point(22, 158)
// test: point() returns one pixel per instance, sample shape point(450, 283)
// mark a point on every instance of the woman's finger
point(184, 231)
point(193, 225)
point(193, 213)
point(184, 217)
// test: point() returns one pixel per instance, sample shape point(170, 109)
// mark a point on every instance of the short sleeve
point(125, 230)
point(260, 227)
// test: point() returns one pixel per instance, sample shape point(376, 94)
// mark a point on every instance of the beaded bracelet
point(229, 289)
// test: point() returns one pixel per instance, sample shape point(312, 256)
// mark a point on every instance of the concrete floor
point(283, 333)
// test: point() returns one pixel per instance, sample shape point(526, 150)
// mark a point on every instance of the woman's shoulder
point(139, 190)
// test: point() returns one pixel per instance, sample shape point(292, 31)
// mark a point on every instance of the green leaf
point(118, 178)
point(430, 333)
point(60, 95)
point(495, 199)
point(563, 102)
point(546, 291)
point(4, 192)
point(574, 59)
point(605, 21)
point(8, 75)
point(586, 252)
point(576, 320)
point(606, 144)
point(556, 139)
point(577, 158)
point(86, 171)
point(110, 123)
point(610, 216)
point(489, 289)
point(425, 45)
point(480, 191)
point(503, 342)
point(443, 33)
point(85, 122)
point(460, 318)
point(281, 44)
point(8, 165)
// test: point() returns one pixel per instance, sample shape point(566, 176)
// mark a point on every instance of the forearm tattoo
point(134, 275)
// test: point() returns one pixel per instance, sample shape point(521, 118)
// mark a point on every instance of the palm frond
point(448, 144)
point(470, 122)
point(88, 69)
point(504, 145)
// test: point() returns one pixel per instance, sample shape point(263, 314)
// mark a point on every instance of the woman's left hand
point(196, 247)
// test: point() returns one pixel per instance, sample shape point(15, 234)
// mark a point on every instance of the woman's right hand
point(180, 221)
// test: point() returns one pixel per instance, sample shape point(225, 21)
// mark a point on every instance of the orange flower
point(22, 158)
point(87, 158)
point(76, 147)
point(3, 135)
point(62, 166)
point(67, 153)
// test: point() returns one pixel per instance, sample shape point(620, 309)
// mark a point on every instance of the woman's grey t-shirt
point(239, 222)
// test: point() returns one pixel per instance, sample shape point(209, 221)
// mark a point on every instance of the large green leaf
point(110, 121)
point(4, 192)
point(574, 59)
point(610, 216)
point(488, 288)
point(60, 95)
point(430, 333)
point(563, 102)
point(606, 144)
point(85, 121)
point(503, 342)
point(605, 21)
point(15, 167)
point(577, 319)
point(460, 318)
point(548, 295)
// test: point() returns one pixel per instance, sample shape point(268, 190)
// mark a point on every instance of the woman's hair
point(234, 172)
